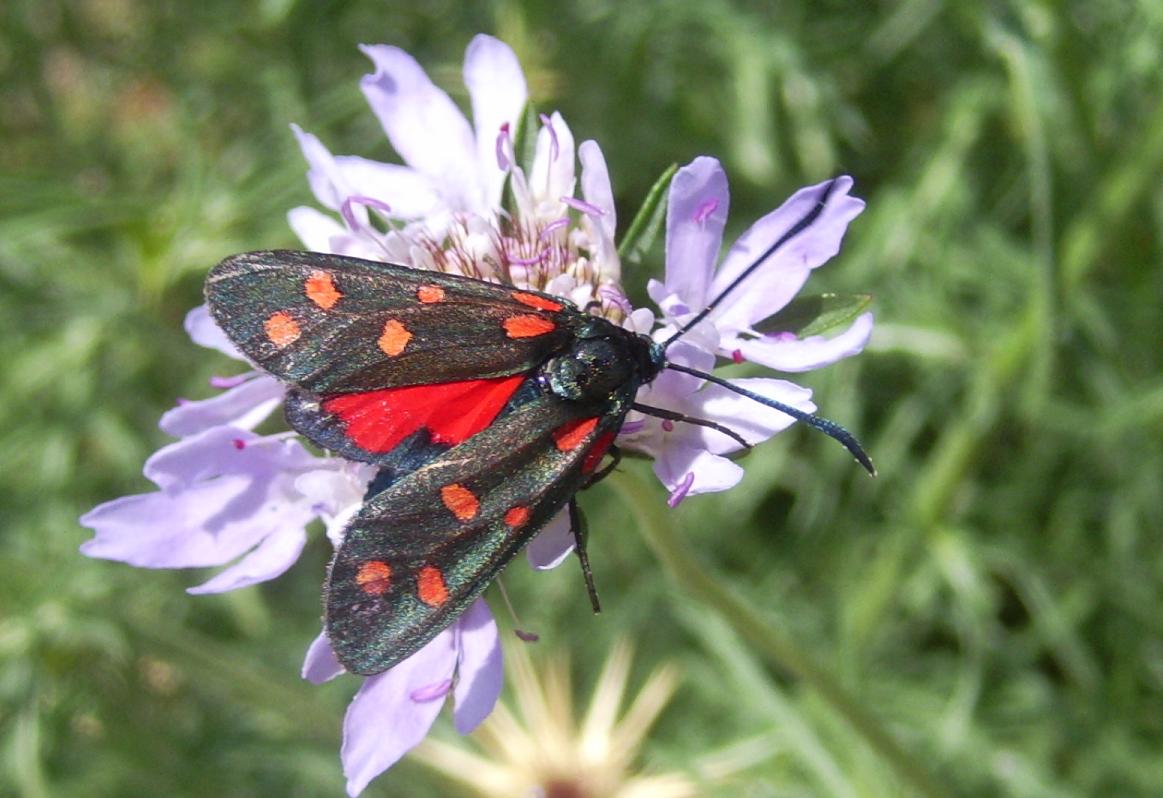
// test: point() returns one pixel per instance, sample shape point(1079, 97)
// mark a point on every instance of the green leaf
point(647, 222)
point(815, 315)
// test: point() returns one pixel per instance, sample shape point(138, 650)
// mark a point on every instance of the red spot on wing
point(528, 325)
point(374, 577)
point(460, 501)
point(281, 329)
point(376, 421)
point(320, 289)
point(430, 586)
point(572, 434)
point(597, 452)
point(517, 516)
point(429, 294)
point(394, 338)
point(535, 301)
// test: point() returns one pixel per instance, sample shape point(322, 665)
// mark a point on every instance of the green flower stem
point(684, 569)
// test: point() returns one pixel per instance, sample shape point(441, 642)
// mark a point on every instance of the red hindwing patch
point(377, 421)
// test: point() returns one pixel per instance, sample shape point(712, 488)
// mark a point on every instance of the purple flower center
point(667, 425)
point(680, 491)
point(431, 691)
point(238, 443)
point(737, 355)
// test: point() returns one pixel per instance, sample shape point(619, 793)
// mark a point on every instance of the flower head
point(462, 203)
point(690, 459)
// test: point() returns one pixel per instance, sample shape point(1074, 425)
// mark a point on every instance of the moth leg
point(670, 415)
point(577, 525)
point(607, 469)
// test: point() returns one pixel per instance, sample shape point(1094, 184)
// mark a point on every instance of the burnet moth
point(485, 408)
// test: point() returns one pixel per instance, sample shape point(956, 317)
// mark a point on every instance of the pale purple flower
point(689, 459)
point(225, 495)
point(393, 711)
point(696, 215)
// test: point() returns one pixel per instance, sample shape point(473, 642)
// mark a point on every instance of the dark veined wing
point(333, 324)
point(423, 549)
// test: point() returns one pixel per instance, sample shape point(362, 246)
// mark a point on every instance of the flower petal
point(552, 174)
point(424, 125)
point(209, 524)
point(225, 450)
point(204, 331)
point(553, 543)
point(695, 470)
point(269, 559)
point(320, 664)
point(384, 722)
point(326, 180)
point(696, 213)
point(244, 406)
point(783, 274)
point(755, 422)
point(804, 354)
point(496, 86)
point(479, 672)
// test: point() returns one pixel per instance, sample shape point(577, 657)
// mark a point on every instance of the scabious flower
point(690, 459)
point(462, 203)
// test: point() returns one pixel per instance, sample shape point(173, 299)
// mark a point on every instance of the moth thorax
point(592, 371)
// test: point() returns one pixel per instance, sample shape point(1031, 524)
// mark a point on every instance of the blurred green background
point(993, 598)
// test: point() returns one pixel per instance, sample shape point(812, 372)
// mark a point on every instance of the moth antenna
point(670, 415)
point(795, 230)
point(829, 428)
